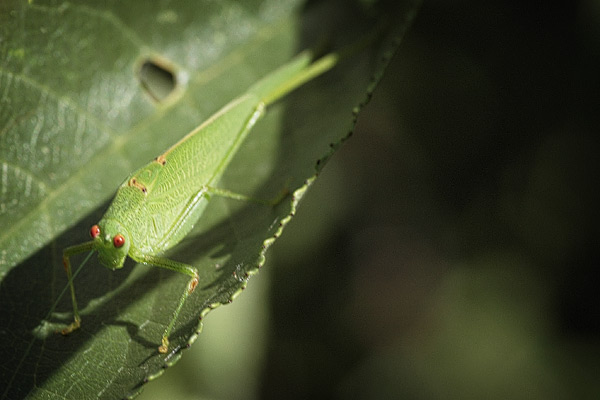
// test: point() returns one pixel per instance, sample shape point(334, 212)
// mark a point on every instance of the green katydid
point(157, 205)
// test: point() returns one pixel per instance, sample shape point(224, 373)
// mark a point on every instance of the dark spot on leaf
point(157, 79)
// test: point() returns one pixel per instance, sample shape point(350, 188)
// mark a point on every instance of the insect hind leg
point(242, 197)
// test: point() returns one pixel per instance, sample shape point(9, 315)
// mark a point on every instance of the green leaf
point(78, 112)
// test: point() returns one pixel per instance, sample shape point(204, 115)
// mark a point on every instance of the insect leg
point(67, 253)
point(237, 196)
point(177, 267)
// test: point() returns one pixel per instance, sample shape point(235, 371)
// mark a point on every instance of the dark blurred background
point(450, 248)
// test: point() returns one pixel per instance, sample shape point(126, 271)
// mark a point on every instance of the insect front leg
point(67, 253)
point(177, 267)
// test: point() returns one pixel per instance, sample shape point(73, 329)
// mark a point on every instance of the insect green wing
point(187, 171)
point(157, 205)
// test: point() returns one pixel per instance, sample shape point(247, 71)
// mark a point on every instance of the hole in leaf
point(157, 79)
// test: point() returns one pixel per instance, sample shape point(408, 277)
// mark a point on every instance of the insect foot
point(164, 347)
point(280, 196)
point(72, 327)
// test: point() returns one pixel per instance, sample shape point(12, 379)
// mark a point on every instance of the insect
point(157, 205)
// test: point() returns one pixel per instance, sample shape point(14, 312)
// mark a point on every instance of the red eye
point(94, 231)
point(118, 240)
